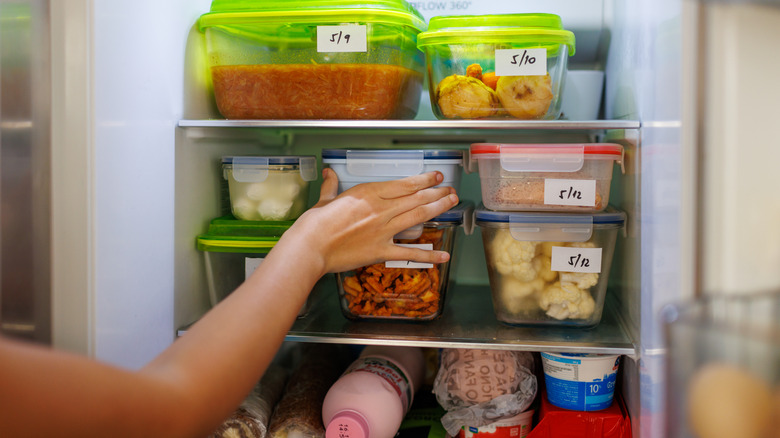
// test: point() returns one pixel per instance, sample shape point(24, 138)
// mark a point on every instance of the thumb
point(330, 185)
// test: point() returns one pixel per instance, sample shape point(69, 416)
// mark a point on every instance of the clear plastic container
point(545, 177)
point(274, 188)
point(496, 66)
point(355, 166)
point(314, 59)
point(723, 365)
point(233, 249)
point(549, 268)
point(404, 290)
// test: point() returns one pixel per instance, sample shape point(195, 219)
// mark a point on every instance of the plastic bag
point(480, 387)
point(252, 416)
point(299, 412)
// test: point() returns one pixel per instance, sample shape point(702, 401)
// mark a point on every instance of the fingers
point(425, 211)
point(409, 185)
point(417, 255)
point(330, 185)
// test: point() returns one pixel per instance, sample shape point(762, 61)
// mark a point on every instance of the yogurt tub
point(580, 382)
point(518, 426)
point(272, 188)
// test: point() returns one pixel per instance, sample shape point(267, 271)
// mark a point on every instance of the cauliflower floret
point(274, 210)
point(582, 280)
point(514, 257)
point(581, 244)
point(545, 271)
point(518, 296)
point(565, 300)
point(546, 247)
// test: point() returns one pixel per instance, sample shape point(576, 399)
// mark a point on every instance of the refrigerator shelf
point(415, 125)
point(468, 321)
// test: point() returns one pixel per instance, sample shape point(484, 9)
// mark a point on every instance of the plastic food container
point(269, 188)
point(233, 249)
point(549, 268)
point(580, 382)
point(355, 166)
point(403, 290)
point(518, 426)
point(505, 66)
point(545, 177)
point(314, 59)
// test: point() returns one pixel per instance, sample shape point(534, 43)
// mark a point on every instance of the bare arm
point(196, 382)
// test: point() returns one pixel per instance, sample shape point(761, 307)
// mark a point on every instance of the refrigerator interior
point(157, 176)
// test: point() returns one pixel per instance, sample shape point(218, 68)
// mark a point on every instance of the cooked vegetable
point(463, 97)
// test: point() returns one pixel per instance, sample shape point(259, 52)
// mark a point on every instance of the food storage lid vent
point(531, 29)
point(549, 227)
point(235, 12)
point(228, 234)
point(255, 169)
point(393, 163)
point(544, 157)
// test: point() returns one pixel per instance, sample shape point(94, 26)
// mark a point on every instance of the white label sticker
point(250, 264)
point(570, 259)
point(408, 264)
point(521, 62)
point(577, 192)
point(346, 38)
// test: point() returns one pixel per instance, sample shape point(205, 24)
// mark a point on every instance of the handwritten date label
point(346, 38)
point(521, 62)
point(250, 264)
point(569, 259)
point(571, 192)
point(408, 264)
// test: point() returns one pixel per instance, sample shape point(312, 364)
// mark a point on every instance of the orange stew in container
point(316, 91)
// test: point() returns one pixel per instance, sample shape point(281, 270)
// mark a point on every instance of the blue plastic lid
point(268, 160)
point(609, 216)
point(456, 214)
point(392, 154)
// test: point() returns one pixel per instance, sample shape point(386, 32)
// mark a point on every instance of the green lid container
point(314, 59)
point(228, 234)
point(234, 12)
point(536, 30)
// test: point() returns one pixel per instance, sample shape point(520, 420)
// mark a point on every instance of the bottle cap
point(347, 424)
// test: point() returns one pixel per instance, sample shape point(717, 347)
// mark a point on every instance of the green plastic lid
point(543, 29)
point(228, 234)
point(232, 12)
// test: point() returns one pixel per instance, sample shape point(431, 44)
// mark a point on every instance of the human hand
point(356, 228)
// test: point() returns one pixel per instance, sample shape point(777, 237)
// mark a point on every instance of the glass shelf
point(414, 124)
point(467, 321)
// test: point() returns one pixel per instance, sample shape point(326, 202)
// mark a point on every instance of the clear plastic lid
point(231, 12)
point(255, 169)
point(541, 30)
point(390, 162)
point(550, 227)
point(544, 157)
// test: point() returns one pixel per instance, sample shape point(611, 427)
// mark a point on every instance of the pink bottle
point(372, 396)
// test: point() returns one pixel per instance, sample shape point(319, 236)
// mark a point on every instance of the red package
point(555, 422)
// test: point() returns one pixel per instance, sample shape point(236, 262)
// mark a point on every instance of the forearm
point(226, 352)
